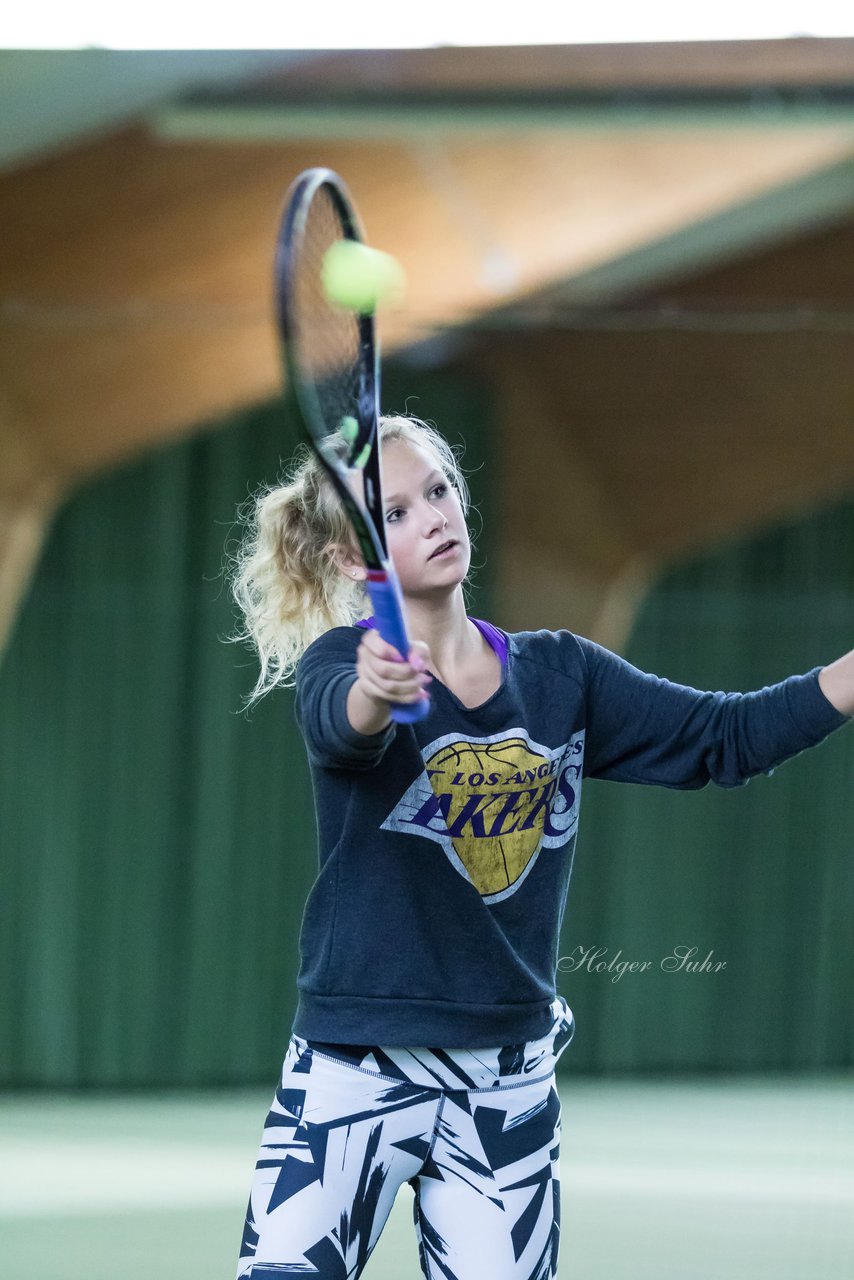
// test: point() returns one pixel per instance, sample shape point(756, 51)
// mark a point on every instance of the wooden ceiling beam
point(135, 277)
point(556, 68)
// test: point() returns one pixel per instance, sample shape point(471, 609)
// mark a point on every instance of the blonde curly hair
point(283, 574)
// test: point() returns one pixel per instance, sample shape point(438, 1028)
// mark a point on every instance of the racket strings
point(328, 336)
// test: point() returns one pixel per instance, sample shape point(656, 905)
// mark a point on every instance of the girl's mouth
point(445, 549)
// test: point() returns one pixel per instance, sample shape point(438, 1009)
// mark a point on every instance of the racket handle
point(388, 611)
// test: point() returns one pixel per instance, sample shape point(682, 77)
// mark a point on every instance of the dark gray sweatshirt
point(445, 847)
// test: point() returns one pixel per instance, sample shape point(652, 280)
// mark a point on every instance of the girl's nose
point(437, 520)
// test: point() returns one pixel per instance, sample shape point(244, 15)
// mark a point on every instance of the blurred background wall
point(632, 298)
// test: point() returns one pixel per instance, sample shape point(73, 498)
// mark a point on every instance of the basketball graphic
point(493, 804)
point(497, 769)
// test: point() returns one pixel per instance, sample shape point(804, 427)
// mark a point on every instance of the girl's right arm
point(382, 679)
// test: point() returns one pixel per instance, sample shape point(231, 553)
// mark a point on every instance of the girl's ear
point(347, 561)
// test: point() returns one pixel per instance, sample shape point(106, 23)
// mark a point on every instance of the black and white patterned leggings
point(475, 1132)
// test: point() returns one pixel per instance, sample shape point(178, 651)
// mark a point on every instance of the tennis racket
point(331, 359)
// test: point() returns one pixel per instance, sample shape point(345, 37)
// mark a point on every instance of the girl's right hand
point(385, 677)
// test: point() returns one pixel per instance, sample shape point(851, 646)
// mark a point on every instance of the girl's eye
point(437, 488)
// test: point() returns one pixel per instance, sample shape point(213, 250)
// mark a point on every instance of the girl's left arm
point(837, 683)
point(645, 729)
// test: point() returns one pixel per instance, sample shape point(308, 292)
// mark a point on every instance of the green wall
point(157, 845)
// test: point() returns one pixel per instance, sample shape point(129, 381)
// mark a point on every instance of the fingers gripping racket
point(332, 362)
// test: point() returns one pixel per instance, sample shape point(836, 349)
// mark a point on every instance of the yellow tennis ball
point(359, 278)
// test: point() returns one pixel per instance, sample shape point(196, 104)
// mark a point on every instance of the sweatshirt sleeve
point(642, 728)
point(324, 675)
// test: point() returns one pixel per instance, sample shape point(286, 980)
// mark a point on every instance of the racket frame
point(368, 522)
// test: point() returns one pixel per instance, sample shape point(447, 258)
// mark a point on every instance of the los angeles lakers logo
point(493, 804)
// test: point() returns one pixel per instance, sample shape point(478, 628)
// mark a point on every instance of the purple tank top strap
point(497, 639)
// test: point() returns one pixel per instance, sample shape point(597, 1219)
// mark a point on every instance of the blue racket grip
point(388, 611)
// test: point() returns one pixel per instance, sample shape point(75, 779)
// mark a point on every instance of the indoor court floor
point(742, 1178)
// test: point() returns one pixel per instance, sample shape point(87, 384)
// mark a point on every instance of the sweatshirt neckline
point(481, 706)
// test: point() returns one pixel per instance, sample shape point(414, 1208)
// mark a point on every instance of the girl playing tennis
point(428, 1024)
